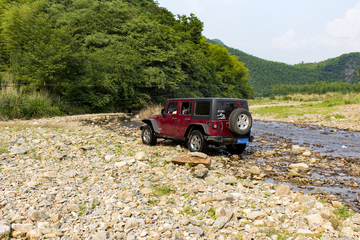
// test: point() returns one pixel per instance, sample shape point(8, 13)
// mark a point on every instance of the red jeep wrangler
point(200, 122)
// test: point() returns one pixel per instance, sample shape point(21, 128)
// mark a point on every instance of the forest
point(81, 56)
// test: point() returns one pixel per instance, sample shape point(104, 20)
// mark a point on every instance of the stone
point(296, 150)
point(48, 135)
point(314, 219)
point(34, 234)
point(270, 153)
point(253, 215)
point(307, 153)
point(141, 156)
point(4, 230)
point(304, 198)
point(282, 190)
point(192, 159)
point(220, 222)
point(199, 171)
point(18, 150)
point(195, 230)
point(255, 170)
point(348, 231)
point(146, 191)
point(49, 175)
point(219, 212)
point(134, 223)
point(22, 229)
point(337, 204)
point(299, 166)
point(100, 236)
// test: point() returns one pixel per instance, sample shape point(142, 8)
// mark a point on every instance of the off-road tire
point(196, 142)
point(240, 121)
point(236, 149)
point(148, 136)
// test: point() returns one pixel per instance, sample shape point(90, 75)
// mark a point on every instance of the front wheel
point(148, 135)
point(236, 149)
point(196, 142)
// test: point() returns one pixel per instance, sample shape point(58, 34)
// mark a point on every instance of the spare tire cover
point(240, 121)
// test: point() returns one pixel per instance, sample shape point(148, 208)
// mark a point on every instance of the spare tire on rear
point(240, 121)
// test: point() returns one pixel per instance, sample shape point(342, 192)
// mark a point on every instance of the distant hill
point(264, 73)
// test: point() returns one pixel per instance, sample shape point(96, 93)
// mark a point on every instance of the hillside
point(264, 73)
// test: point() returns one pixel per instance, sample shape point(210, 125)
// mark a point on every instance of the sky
point(288, 31)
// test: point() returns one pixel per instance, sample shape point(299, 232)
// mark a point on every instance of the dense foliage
point(108, 55)
point(264, 75)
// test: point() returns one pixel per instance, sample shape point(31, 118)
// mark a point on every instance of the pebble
point(74, 182)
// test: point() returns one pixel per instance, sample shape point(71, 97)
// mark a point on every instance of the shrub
point(14, 103)
point(149, 110)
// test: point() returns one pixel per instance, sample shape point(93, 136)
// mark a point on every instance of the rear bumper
point(227, 140)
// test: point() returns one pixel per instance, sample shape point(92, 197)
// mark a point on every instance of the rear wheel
point(236, 149)
point(196, 142)
point(240, 121)
point(148, 135)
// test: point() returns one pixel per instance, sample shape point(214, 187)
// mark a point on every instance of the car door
point(169, 122)
point(184, 117)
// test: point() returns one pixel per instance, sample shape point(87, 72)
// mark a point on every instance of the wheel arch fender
point(198, 126)
point(152, 123)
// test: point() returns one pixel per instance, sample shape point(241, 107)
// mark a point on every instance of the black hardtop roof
point(220, 99)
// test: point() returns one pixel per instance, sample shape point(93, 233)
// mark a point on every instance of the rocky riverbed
point(87, 177)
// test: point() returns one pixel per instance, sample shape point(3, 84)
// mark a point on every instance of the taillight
point(214, 125)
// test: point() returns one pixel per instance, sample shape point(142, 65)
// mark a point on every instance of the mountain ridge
point(265, 73)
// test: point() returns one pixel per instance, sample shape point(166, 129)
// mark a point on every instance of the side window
point(186, 108)
point(202, 108)
point(172, 108)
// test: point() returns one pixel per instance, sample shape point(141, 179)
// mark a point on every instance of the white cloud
point(341, 33)
point(348, 27)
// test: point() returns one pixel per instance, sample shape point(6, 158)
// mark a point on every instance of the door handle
point(174, 118)
point(187, 119)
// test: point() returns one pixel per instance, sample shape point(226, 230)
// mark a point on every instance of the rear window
point(202, 108)
point(225, 108)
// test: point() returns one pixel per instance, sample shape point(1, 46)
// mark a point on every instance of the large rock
point(199, 171)
point(193, 159)
point(282, 189)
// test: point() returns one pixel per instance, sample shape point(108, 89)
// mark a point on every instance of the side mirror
point(163, 112)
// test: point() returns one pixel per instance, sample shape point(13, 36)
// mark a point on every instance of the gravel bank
point(61, 179)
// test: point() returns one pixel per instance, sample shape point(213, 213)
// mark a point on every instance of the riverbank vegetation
point(303, 107)
point(88, 56)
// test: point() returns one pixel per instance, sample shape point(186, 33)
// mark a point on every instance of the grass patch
point(163, 190)
point(189, 211)
point(340, 214)
point(282, 234)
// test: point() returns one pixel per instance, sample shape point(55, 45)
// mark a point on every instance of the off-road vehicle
point(200, 122)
